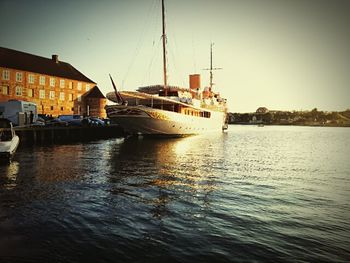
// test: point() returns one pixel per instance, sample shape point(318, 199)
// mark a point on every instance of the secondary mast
point(164, 51)
point(211, 66)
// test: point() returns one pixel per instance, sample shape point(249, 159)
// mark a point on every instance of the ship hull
point(149, 121)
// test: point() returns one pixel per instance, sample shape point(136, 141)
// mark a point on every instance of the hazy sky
point(282, 54)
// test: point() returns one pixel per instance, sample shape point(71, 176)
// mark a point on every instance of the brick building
point(55, 86)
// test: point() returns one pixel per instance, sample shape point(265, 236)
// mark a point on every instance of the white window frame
point(52, 82)
point(31, 78)
point(5, 88)
point(62, 82)
point(70, 97)
point(79, 97)
point(19, 90)
point(19, 76)
point(70, 84)
point(42, 80)
point(79, 86)
point(42, 94)
point(62, 96)
point(31, 95)
point(87, 87)
point(52, 95)
point(6, 74)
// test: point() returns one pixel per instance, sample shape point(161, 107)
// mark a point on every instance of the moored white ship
point(155, 114)
point(169, 110)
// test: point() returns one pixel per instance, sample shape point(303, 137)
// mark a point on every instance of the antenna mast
point(211, 66)
point(164, 51)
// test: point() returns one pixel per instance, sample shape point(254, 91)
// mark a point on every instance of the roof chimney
point(55, 58)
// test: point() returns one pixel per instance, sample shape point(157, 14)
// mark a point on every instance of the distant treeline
point(312, 118)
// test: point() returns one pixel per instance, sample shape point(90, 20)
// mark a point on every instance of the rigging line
point(179, 72)
point(150, 65)
point(174, 64)
point(138, 46)
point(154, 44)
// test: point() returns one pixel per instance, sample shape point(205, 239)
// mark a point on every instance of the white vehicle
point(19, 112)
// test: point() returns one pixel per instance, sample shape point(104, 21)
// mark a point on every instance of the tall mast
point(164, 51)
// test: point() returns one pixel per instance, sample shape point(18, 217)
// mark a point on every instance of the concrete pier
point(42, 135)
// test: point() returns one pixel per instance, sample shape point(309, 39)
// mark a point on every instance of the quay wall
point(43, 135)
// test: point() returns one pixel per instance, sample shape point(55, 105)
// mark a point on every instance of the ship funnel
point(195, 81)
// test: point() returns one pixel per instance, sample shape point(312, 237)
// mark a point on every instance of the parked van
point(19, 112)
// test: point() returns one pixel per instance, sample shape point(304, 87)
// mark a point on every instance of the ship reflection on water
point(161, 169)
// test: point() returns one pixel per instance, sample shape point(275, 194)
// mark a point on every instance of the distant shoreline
point(313, 118)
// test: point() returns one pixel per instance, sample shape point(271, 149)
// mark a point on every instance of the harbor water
point(252, 194)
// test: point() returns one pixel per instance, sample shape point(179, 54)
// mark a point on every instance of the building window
point(41, 94)
point(61, 108)
point(79, 86)
point(52, 95)
point(51, 107)
point(5, 90)
point(61, 95)
point(52, 82)
point(79, 97)
point(31, 78)
point(70, 84)
point(61, 83)
point(30, 93)
point(42, 80)
point(6, 75)
point(70, 97)
point(87, 87)
point(19, 91)
point(19, 76)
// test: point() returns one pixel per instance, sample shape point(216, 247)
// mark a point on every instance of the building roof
point(94, 93)
point(14, 59)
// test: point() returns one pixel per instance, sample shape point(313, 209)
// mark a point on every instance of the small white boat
point(8, 139)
